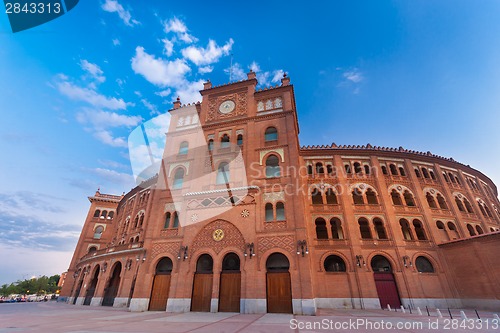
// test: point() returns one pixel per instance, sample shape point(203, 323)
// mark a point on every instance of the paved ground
point(61, 317)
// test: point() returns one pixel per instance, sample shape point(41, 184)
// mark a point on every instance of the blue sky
point(419, 74)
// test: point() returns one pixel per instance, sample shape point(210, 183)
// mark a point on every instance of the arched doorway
point(112, 289)
point(161, 285)
point(91, 289)
point(78, 289)
point(279, 285)
point(385, 283)
point(230, 284)
point(202, 284)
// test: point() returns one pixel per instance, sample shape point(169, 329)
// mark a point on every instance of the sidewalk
point(61, 317)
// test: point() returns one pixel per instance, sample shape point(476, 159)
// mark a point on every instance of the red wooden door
point(159, 293)
point(202, 292)
point(279, 292)
point(387, 290)
point(230, 292)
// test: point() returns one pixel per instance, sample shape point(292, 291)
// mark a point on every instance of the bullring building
point(255, 223)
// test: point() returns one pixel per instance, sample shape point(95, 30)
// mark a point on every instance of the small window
point(111, 215)
point(410, 202)
point(309, 170)
point(460, 205)
point(379, 228)
point(405, 229)
point(419, 230)
point(92, 249)
point(210, 145)
point(417, 173)
point(424, 265)
point(280, 211)
point(269, 212)
point(357, 197)
point(224, 141)
point(479, 230)
point(331, 198)
point(97, 213)
point(336, 226)
point(468, 206)
point(272, 167)
point(425, 173)
point(445, 177)
point(441, 202)
point(364, 228)
point(357, 168)
point(271, 134)
point(367, 169)
point(430, 200)
point(176, 220)
point(239, 140)
point(319, 169)
point(396, 198)
point(371, 197)
point(178, 178)
point(402, 171)
point(98, 232)
point(317, 198)
point(433, 176)
point(394, 170)
point(167, 220)
point(334, 264)
point(183, 148)
point(384, 170)
point(321, 232)
point(471, 230)
point(347, 168)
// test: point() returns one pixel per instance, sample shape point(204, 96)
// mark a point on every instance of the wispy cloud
point(205, 56)
point(153, 110)
point(101, 119)
point(116, 42)
point(168, 46)
point(93, 70)
point(112, 6)
point(179, 28)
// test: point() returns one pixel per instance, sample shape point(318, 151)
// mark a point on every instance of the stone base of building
point(139, 304)
point(253, 305)
point(304, 307)
point(481, 304)
point(63, 299)
point(179, 305)
point(120, 302)
point(96, 301)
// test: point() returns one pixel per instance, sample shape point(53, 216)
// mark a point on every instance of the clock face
point(227, 107)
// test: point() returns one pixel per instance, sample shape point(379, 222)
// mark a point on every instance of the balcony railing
point(113, 249)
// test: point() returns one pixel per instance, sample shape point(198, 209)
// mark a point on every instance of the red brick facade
point(329, 226)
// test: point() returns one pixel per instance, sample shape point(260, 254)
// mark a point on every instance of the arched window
point(98, 232)
point(380, 264)
point(272, 167)
point(331, 198)
point(336, 227)
point(319, 169)
point(321, 232)
point(384, 169)
point(347, 168)
point(379, 228)
point(334, 264)
point(445, 177)
point(223, 173)
point(164, 266)
point(205, 264)
point(441, 202)
point(417, 173)
point(357, 197)
point(309, 170)
point(419, 230)
point(396, 198)
point(468, 206)
point(231, 262)
point(316, 197)
point(425, 173)
point(97, 213)
point(136, 222)
point(329, 169)
point(460, 205)
point(167, 220)
point(111, 215)
point(224, 141)
point(371, 197)
point(364, 228)
point(424, 265)
point(357, 168)
point(457, 180)
point(488, 211)
point(271, 134)
point(239, 140)
point(141, 220)
point(453, 230)
point(280, 211)
point(433, 176)
point(479, 230)
point(430, 200)
point(137, 239)
point(452, 178)
point(269, 212)
point(394, 170)
point(409, 198)
point(405, 229)
point(176, 220)
point(402, 171)
point(92, 249)
point(178, 178)
point(472, 232)
point(442, 231)
point(367, 169)
point(183, 148)
point(210, 144)
point(277, 262)
point(481, 208)
point(104, 213)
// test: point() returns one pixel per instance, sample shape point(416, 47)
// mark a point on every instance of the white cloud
point(189, 92)
point(138, 93)
point(255, 67)
point(266, 78)
point(159, 71)
point(120, 82)
point(353, 75)
point(113, 6)
point(151, 107)
point(116, 42)
point(277, 75)
point(105, 137)
point(101, 119)
point(237, 72)
point(94, 70)
point(205, 69)
point(169, 46)
point(163, 93)
point(113, 176)
point(179, 28)
point(205, 56)
point(90, 96)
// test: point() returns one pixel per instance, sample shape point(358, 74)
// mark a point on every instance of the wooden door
point(230, 292)
point(159, 294)
point(387, 290)
point(202, 292)
point(279, 292)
